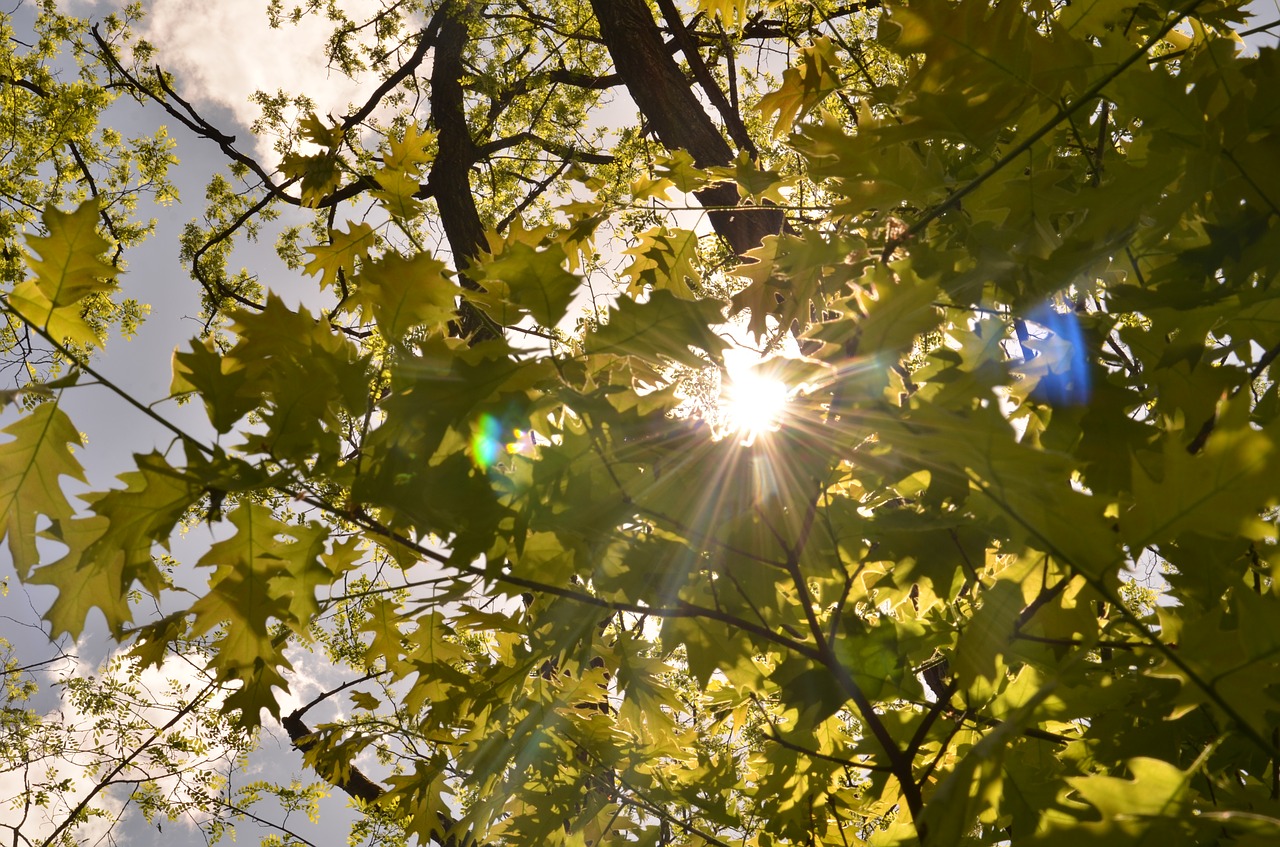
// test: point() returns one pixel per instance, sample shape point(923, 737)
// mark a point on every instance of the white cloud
point(223, 52)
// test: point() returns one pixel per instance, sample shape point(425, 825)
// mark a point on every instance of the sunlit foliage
point(1009, 272)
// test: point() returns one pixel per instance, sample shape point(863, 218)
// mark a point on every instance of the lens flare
point(486, 441)
point(1061, 357)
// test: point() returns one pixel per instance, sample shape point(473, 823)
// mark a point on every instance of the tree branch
point(677, 118)
point(732, 120)
point(562, 150)
point(450, 178)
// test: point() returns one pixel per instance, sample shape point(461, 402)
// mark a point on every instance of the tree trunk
point(665, 99)
point(450, 177)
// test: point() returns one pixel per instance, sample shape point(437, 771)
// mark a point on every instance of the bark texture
point(667, 102)
point(450, 177)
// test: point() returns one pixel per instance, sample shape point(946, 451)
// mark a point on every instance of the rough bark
point(659, 89)
point(450, 177)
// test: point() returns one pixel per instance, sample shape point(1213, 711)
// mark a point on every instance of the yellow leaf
point(410, 152)
point(314, 130)
point(320, 175)
point(803, 87)
point(70, 266)
point(64, 323)
point(340, 254)
point(396, 193)
point(664, 260)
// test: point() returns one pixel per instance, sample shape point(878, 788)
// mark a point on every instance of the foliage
point(54, 154)
point(1017, 265)
point(165, 734)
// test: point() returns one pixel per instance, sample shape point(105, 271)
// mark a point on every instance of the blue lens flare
point(1064, 372)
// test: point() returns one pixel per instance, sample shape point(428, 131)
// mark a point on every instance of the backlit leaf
point(663, 326)
point(30, 467)
point(341, 253)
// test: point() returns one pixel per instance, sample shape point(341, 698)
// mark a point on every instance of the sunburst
point(753, 404)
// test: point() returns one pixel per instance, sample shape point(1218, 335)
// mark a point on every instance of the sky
point(221, 52)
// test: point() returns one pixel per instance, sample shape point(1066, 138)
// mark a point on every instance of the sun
point(753, 404)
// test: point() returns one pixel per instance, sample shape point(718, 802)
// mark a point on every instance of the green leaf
point(70, 265)
point(30, 466)
point(893, 308)
point(543, 557)
point(397, 192)
point(220, 380)
point(314, 130)
point(340, 254)
point(266, 572)
point(532, 280)
point(319, 175)
point(755, 183)
point(85, 582)
point(792, 277)
point(677, 168)
point(306, 378)
point(664, 260)
point(1218, 492)
point(978, 783)
point(69, 269)
point(803, 87)
point(65, 324)
point(402, 294)
point(141, 516)
point(1153, 806)
point(665, 327)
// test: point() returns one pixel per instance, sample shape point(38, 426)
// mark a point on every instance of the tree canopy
point(996, 567)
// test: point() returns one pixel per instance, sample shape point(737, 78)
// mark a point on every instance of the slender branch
point(426, 38)
point(940, 705)
point(33, 665)
point(232, 807)
point(561, 150)
point(899, 761)
point(1257, 29)
point(1080, 642)
point(188, 117)
point(320, 698)
point(75, 813)
point(1207, 428)
point(219, 291)
point(681, 609)
point(194, 121)
point(775, 735)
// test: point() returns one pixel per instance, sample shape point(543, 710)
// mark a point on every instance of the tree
point(1014, 265)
